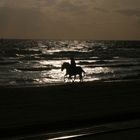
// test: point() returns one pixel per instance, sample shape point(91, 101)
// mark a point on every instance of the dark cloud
point(129, 12)
point(102, 10)
point(70, 7)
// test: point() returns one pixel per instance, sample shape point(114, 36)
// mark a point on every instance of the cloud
point(16, 22)
point(102, 10)
point(130, 12)
point(56, 5)
point(68, 6)
point(69, 18)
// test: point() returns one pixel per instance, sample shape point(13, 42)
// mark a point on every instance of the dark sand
point(66, 106)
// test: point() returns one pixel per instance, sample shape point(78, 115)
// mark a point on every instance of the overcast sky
point(70, 19)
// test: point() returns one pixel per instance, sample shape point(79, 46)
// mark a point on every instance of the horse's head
point(65, 65)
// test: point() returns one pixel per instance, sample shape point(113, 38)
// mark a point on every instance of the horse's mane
point(66, 63)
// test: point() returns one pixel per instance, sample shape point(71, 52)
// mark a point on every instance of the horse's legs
point(74, 78)
point(70, 78)
point(81, 77)
point(65, 76)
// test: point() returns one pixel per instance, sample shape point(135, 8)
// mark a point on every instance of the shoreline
point(67, 105)
point(46, 85)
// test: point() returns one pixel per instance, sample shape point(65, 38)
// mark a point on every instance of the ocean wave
point(34, 69)
point(112, 65)
point(8, 62)
point(22, 61)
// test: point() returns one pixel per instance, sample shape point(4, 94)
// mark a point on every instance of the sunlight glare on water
point(102, 70)
point(56, 75)
point(53, 75)
point(36, 62)
point(93, 74)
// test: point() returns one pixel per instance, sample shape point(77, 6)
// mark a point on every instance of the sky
point(70, 19)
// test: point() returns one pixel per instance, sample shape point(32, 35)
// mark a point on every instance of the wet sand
point(58, 107)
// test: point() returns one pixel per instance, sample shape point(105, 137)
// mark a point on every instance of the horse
point(72, 71)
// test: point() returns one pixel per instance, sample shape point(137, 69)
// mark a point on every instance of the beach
point(50, 108)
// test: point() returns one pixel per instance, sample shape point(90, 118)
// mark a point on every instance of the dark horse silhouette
point(72, 71)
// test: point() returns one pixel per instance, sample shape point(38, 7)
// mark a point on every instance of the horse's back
point(79, 68)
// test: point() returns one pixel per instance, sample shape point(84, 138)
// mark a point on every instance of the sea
point(37, 62)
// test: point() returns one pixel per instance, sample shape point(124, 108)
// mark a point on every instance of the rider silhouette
point(72, 63)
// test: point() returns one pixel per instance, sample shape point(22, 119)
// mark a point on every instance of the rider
point(72, 63)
